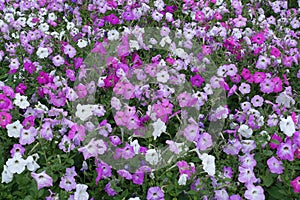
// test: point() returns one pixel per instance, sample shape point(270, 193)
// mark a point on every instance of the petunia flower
point(42, 179)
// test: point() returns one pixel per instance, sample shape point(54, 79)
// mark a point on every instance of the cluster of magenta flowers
point(140, 120)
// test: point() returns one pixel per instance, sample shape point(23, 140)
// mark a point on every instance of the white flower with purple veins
point(162, 76)
point(42, 52)
point(159, 127)
point(21, 101)
point(152, 156)
point(14, 129)
point(7, 176)
point(81, 193)
point(16, 164)
point(245, 131)
point(287, 126)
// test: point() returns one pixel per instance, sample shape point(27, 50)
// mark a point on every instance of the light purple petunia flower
point(42, 179)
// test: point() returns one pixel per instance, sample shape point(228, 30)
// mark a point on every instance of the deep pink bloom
point(276, 139)
point(29, 67)
point(21, 88)
point(275, 52)
point(258, 38)
point(277, 84)
point(246, 74)
point(43, 78)
point(197, 80)
point(5, 103)
point(112, 19)
point(296, 184)
point(259, 77)
point(5, 118)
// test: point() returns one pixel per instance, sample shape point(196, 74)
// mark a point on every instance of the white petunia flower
point(133, 44)
point(159, 127)
point(134, 198)
point(82, 43)
point(21, 101)
point(14, 129)
point(41, 107)
point(113, 35)
point(182, 179)
point(208, 162)
point(162, 76)
point(83, 112)
point(42, 52)
point(7, 176)
point(44, 27)
point(80, 193)
point(16, 164)
point(136, 146)
point(245, 131)
point(285, 100)
point(152, 156)
point(70, 25)
point(31, 164)
point(287, 126)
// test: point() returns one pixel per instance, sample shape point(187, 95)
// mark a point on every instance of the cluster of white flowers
point(17, 165)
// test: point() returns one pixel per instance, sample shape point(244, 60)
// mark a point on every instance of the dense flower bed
point(143, 99)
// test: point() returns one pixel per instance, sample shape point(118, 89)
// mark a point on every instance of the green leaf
point(268, 180)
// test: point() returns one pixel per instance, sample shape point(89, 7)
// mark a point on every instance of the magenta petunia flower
point(258, 38)
point(296, 184)
point(42, 179)
point(197, 80)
